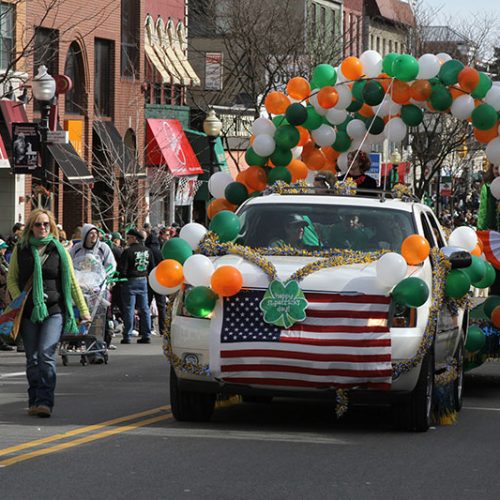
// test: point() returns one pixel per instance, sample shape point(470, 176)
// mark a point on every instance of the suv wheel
point(190, 406)
point(458, 384)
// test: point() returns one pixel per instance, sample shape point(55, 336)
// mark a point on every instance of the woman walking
point(41, 266)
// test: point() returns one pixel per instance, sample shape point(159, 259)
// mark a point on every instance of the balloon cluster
point(181, 265)
point(364, 101)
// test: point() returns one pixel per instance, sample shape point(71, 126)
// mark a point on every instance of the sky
point(463, 7)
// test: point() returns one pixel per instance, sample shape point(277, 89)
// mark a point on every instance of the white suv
point(215, 356)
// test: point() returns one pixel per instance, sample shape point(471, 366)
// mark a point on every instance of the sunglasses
point(42, 224)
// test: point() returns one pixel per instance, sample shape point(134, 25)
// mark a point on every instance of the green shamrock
point(283, 304)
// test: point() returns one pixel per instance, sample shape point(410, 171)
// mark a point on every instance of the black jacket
point(153, 243)
point(137, 261)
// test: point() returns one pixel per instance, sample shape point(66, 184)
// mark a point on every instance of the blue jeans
point(135, 295)
point(40, 344)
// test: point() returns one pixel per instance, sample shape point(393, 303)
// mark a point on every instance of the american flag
point(343, 342)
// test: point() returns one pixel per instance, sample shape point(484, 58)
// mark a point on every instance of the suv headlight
point(403, 317)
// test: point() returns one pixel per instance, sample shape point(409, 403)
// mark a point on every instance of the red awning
point(13, 112)
point(4, 159)
point(167, 144)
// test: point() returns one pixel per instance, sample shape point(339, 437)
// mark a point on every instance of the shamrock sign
point(283, 304)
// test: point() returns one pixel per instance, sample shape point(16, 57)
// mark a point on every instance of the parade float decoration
point(313, 127)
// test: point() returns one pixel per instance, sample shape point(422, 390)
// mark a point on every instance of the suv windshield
point(324, 226)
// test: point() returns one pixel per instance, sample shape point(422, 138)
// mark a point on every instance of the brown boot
point(43, 411)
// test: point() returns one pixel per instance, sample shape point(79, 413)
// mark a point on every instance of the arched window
point(75, 98)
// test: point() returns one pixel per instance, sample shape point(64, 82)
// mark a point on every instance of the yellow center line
point(83, 440)
point(81, 430)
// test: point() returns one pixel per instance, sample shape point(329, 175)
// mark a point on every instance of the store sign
point(75, 131)
point(186, 189)
point(375, 167)
point(213, 71)
point(25, 147)
point(57, 137)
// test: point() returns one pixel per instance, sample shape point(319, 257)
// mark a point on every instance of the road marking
point(479, 408)
point(81, 430)
point(84, 440)
point(11, 375)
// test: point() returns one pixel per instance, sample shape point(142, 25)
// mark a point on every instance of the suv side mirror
point(459, 260)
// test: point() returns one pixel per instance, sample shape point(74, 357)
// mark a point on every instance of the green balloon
point(475, 339)
point(296, 114)
point(253, 159)
point(287, 136)
point(314, 120)
point(236, 193)
point(342, 142)
point(483, 86)
point(457, 283)
point(354, 106)
point(279, 174)
point(373, 93)
point(488, 278)
point(226, 225)
point(484, 117)
point(375, 125)
point(280, 120)
point(476, 270)
point(255, 194)
point(449, 71)
point(411, 292)
point(489, 304)
point(281, 157)
point(324, 74)
point(200, 301)
point(343, 125)
point(357, 89)
point(176, 249)
point(440, 98)
point(388, 62)
point(405, 68)
point(412, 115)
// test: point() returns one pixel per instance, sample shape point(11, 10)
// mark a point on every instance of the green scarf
point(40, 312)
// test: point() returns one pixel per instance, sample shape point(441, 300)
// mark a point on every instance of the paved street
point(122, 442)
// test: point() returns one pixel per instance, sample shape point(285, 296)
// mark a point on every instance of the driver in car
point(294, 226)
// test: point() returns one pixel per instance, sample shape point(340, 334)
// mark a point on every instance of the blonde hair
point(28, 229)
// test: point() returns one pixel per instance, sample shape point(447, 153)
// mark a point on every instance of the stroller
point(90, 342)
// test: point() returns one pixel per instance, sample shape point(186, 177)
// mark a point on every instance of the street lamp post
point(44, 90)
point(395, 160)
point(212, 126)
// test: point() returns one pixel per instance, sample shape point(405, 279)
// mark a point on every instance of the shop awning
point(155, 61)
point(68, 160)
point(4, 158)
point(13, 112)
point(115, 151)
point(167, 144)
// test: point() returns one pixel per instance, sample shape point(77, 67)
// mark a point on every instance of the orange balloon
point(415, 249)
point(304, 135)
point(480, 243)
point(327, 97)
point(455, 91)
point(330, 154)
point(366, 111)
point(217, 205)
point(276, 102)
point(352, 68)
point(308, 148)
point(385, 80)
point(241, 176)
point(252, 138)
point(226, 281)
point(256, 178)
point(169, 273)
point(476, 251)
point(468, 79)
point(315, 160)
point(495, 317)
point(420, 90)
point(298, 169)
point(400, 92)
point(485, 136)
point(298, 88)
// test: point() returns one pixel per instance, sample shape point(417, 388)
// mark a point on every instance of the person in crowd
point(294, 226)
point(17, 231)
point(77, 235)
point(116, 291)
point(164, 235)
point(324, 180)
point(4, 294)
point(360, 164)
point(63, 238)
point(42, 266)
point(136, 263)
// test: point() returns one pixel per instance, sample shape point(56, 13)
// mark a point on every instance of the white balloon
point(218, 183)
point(313, 99)
point(263, 126)
point(345, 96)
point(382, 109)
point(462, 107)
point(495, 187)
point(372, 63)
point(492, 97)
point(336, 116)
point(198, 270)
point(264, 145)
point(391, 268)
point(444, 57)
point(340, 76)
point(297, 152)
point(359, 144)
point(395, 130)
point(375, 138)
point(356, 129)
point(342, 162)
point(162, 290)
point(493, 151)
point(193, 233)
point(324, 135)
point(464, 237)
point(429, 66)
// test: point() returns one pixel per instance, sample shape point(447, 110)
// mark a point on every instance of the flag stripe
point(342, 313)
point(352, 299)
point(298, 327)
point(331, 342)
point(301, 383)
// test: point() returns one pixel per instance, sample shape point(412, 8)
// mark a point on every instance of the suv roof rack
point(365, 193)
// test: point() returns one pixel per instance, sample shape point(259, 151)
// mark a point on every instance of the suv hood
point(354, 278)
